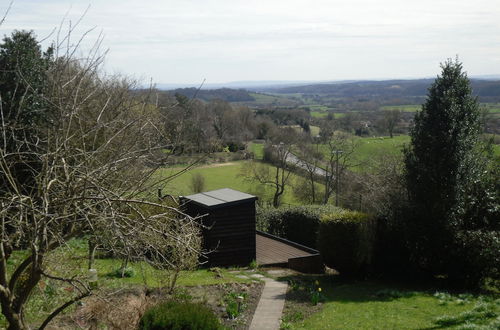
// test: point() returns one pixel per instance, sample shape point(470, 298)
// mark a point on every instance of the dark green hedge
point(174, 315)
point(296, 223)
point(346, 241)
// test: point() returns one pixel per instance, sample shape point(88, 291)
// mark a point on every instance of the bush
point(197, 183)
point(346, 240)
point(296, 223)
point(476, 257)
point(179, 316)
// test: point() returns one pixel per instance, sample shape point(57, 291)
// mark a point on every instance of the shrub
point(197, 183)
point(122, 272)
point(476, 257)
point(179, 316)
point(346, 240)
point(296, 223)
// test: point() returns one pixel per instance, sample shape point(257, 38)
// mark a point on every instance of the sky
point(188, 41)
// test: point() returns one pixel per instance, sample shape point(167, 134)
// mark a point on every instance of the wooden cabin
point(230, 217)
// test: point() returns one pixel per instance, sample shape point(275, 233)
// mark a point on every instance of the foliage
point(88, 162)
point(179, 315)
point(23, 83)
point(447, 176)
point(346, 241)
point(235, 303)
point(316, 293)
point(120, 273)
point(296, 223)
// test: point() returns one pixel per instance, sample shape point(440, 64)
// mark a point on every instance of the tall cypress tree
point(441, 165)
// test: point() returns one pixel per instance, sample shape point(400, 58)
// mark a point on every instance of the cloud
point(175, 41)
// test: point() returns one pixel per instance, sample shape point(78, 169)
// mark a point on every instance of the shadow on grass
point(337, 289)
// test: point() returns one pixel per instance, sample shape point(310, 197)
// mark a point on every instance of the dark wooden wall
point(232, 233)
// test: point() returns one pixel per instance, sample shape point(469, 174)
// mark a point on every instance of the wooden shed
point(230, 216)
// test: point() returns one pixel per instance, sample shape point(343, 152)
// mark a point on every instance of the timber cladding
point(229, 218)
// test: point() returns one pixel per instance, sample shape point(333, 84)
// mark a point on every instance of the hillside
point(487, 90)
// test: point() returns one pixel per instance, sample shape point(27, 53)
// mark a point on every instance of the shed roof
point(219, 198)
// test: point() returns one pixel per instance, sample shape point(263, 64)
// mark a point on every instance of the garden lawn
point(71, 260)
point(373, 305)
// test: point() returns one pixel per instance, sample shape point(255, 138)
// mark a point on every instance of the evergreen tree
point(23, 80)
point(443, 163)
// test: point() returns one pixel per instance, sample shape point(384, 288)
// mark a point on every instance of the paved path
point(268, 313)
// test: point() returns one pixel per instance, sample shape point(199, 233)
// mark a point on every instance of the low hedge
point(175, 315)
point(296, 223)
point(346, 241)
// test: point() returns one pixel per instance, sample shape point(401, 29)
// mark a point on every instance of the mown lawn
point(378, 305)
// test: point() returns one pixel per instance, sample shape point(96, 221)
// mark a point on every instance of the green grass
point(258, 150)
point(403, 107)
point(319, 114)
point(492, 107)
point(71, 260)
point(314, 130)
point(372, 148)
point(316, 107)
point(375, 147)
point(217, 177)
point(376, 305)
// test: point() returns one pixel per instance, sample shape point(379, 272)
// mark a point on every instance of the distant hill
point(226, 94)
point(416, 89)
point(488, 90)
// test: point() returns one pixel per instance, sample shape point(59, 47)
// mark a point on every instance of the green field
point(319, 114)
point(314, 130)
point(217, 176)
point(492, 107)
point(370, 148)
point(378, 305)
point(373, 148)
point(403, 107)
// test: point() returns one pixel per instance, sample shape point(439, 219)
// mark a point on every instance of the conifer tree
point(442, 163)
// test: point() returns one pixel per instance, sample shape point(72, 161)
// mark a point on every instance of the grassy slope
point(373, 147)
point(228, 175)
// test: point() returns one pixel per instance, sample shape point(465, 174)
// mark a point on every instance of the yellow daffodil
point(319, 289)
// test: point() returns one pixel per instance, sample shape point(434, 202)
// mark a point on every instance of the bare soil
point(122, 310)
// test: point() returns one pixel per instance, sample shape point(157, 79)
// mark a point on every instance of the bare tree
point(391, 119)
point(278, 153)
point(90, 167)
point(311, 160)
point(340, 148)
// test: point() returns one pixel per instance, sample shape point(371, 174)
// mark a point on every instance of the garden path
point(268, 313)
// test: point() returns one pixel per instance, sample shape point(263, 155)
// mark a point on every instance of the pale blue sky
point(186, 41)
